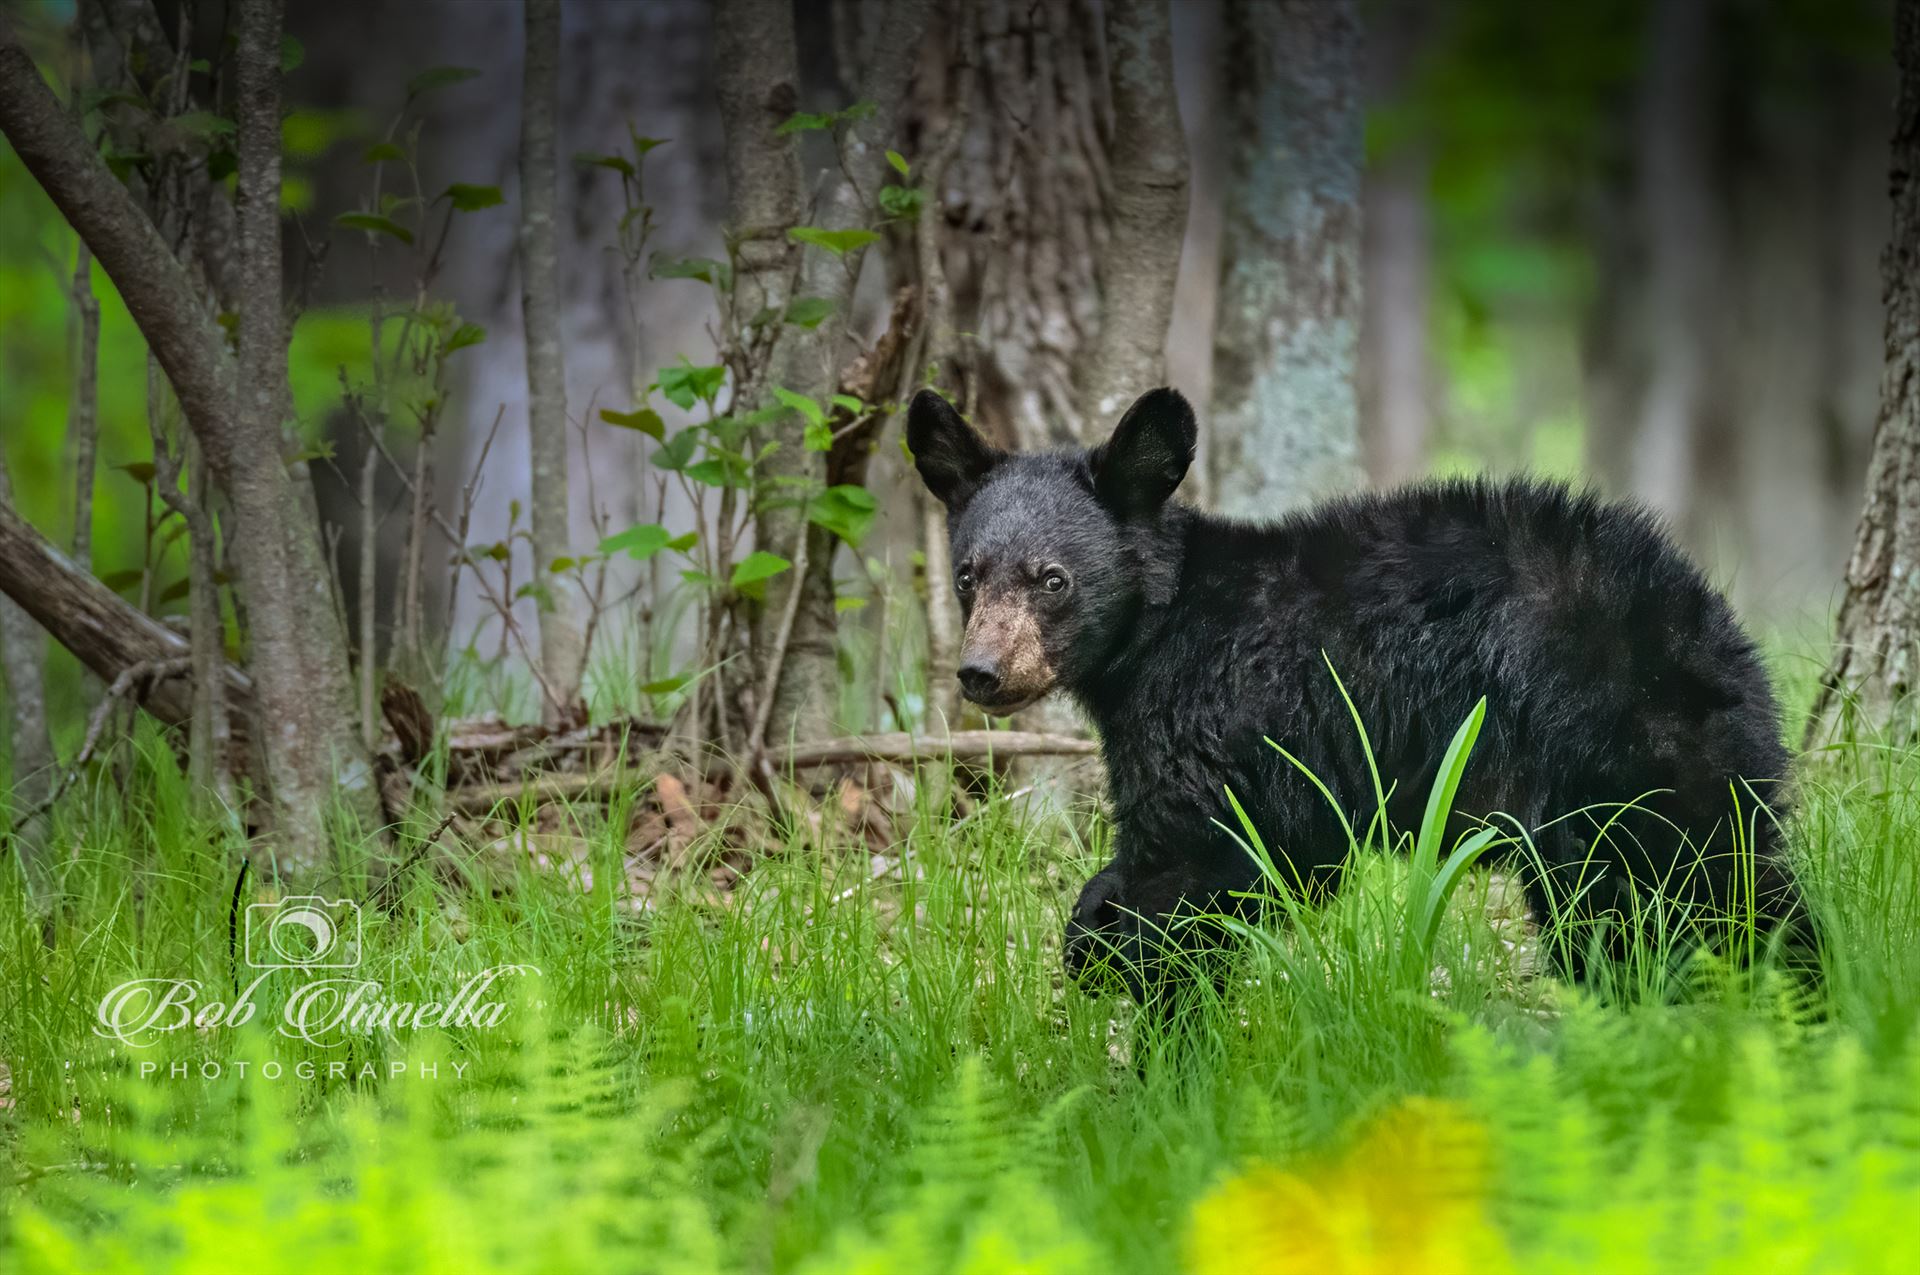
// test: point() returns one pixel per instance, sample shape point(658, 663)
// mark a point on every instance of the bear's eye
point(1055, 581)
point(963, 580)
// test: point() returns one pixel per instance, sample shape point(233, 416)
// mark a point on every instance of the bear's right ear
point(952, 459)
point(1136, 470)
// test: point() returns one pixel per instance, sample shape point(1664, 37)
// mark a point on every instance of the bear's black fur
point(1613, 672)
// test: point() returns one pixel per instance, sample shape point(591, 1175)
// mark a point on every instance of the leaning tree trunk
point(313, 756)
point(1285, 409)
point(1873, 674)
point(562, 652)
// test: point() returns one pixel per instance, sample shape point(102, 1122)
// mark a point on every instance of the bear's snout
point(1004, 664)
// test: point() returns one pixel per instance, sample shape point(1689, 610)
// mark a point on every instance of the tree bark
point(23, 675)
point(1146, 208)
point(1871, 680)
point(1285, 407)
point(102, 630)
point(562, 651)
point(1676, 215)
point(1395, 377)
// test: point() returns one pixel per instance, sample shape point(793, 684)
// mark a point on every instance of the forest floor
point(865, 1060)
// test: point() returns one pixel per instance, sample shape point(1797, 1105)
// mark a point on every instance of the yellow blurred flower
point(1407, 1198)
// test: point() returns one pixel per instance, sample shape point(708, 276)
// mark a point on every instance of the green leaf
point(438, 77)
point(641, 145)
point(817, 437)
point(837, 242)
point(618, 163)
point(139, 470)
point(373, 223)
point(807, 312)
point(677, 451)
point(841, 605)
point(472, 198)
point(848, 402)
point(903, 203)
point(665, 686)
point(756, 568)
point(804, 122)
point(718, 471)
point(801, 404)
point(685, 383)
point(292, 54)
point(639, 543)
point(463, 336)
point(899, 163)
point(847, 510)
point(381, 152)
point(705, 269)
point(121, 581)
point(560, 565)
point(700, 578)
point(644, 419)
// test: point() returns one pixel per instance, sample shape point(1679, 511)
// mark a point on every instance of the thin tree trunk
point(1285, 408)
point(1675, 209)
point(1873, 673)
point(562, 653)
point(1396, 412)
point(23, 661)
point(83, 420)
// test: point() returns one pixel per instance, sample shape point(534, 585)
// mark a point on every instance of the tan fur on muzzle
point(1004, 629)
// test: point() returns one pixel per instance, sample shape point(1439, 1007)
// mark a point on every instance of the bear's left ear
point(952, 458)
point(1137, 469)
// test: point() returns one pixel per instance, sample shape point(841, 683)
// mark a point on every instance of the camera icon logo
point(304, 931)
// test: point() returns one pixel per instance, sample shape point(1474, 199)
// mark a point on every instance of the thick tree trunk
point(1873, 675)
point(1285, 408)
point(562, 653)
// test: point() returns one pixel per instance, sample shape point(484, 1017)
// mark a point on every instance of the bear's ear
point(952, 459)
point(1137, 469)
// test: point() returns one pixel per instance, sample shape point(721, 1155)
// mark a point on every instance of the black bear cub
point(1615, 676)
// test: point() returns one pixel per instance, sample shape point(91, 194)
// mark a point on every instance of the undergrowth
point(840, 1069)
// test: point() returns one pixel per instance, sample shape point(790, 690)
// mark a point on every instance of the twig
point(149, 671)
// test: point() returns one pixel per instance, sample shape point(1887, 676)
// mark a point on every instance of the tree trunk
point(23, 675)
point(104, 632)
point(1676, 216)
point(562, 655)
point(1396, 411)
point(1285, 407)
point(1146, 206)
point(1872, 677)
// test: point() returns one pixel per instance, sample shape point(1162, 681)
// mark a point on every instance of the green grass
point(833, 1072)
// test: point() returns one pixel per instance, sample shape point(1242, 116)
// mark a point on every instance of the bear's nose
point(979, 677)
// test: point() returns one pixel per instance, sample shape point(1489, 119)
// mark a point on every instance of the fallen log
point(102, 630)
point(897, 748)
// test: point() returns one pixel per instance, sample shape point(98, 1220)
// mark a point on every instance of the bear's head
point(1054, 553)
